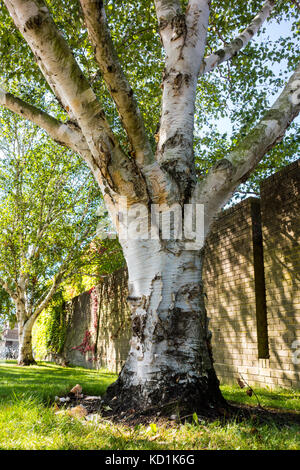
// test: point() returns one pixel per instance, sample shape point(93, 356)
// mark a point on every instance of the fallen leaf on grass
point(153, 438)
point(78, 412)
point(76, 390)
point(107, 408)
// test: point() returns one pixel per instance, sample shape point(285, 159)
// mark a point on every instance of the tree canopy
point(237, 92)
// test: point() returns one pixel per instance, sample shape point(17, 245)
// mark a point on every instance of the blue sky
point(273, 32)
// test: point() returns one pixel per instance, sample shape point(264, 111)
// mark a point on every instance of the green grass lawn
point(28, 419)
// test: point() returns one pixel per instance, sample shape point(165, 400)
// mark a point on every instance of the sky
point(274, 31)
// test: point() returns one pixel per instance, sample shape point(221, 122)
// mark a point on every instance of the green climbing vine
point(106, 282)
point(58, 324)
point(51, 328)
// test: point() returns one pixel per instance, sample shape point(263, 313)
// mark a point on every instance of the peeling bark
point(184, 40)
point(170, 362)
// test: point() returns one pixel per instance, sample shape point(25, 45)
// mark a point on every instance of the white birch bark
point(25, 324)
point(170, 356)
point(184, 39)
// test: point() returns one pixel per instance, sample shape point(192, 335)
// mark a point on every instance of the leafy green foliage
point(48, 202)
point(102, 258)
point(7, 313)
point(58, 323)
point(229, 101)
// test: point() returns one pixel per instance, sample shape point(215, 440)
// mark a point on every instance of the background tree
point(150, 160)
point(47, 219)
point(7, 314)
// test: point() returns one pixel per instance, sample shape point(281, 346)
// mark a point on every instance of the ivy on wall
point(50, 329)
point(109, 313)
point(57, 328)
point(49, 332)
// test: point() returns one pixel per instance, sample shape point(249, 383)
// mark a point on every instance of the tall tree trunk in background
point(25, 324)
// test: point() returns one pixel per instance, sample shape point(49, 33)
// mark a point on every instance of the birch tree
point(47, 220)
point(138, 168)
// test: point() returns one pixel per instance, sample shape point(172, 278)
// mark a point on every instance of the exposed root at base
point(161, 416)
point(169, 399)
point(27, 362)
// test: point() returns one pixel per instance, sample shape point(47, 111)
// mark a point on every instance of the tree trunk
point(170, 362)
point(25, 357)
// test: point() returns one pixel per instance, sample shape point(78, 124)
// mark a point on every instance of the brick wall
point(99, 327)
point(251, 278)
point(251, 274)
point(280, 209)
point(230, 276)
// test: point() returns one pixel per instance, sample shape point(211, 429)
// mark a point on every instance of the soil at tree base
point(175, 413)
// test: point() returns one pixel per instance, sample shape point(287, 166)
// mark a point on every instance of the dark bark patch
point(172, 395)
point(138, 327)
point(100, 115)
point(220, 53)
point(163, 24)
point(111, 69)
point(175, 141)
point(34, 22)
point(238, 42)
point(27, 361)
point(224, 165)
point(165, 74)
point(181, 79)
point(179, 27)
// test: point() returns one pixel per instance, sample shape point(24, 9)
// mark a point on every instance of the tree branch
point(59, 66)
point(167, 9)
point(232, 49)
point(114, 77)
point(115, 172)
point(182, 36)
point(67, 134)
point(169, 15)
point(223, 179)
point(45, 302)
point(197, 19)
point(5, 286)
point(269, 130)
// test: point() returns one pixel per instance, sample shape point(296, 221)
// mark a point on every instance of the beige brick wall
point(246, 285)
point(280, 209)
point(103, 313)
point(230, 283)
